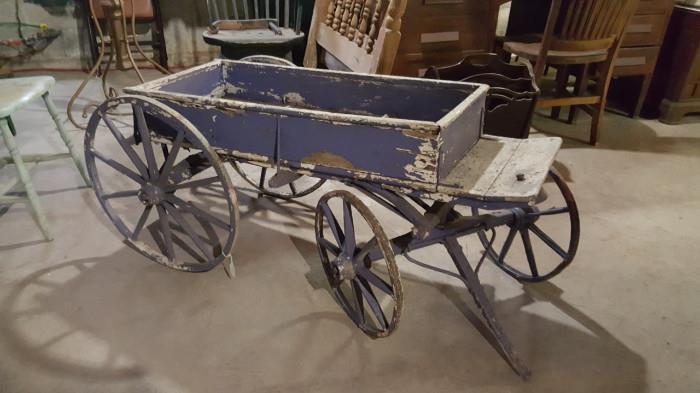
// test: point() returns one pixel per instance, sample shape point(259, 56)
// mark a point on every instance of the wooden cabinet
point(640, 48)
point(442, 32)
point(676, 85)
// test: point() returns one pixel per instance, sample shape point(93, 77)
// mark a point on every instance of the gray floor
point(85, 313)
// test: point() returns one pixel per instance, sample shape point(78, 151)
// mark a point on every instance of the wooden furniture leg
point(53, 111)
point(32, 196)
point(562, 81)
point(580, 88)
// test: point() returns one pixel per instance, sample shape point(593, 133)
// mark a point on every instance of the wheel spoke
point(548, 241)
point(130, 152)
point(525, 235)
point(373, 303)
point(120, 194)
point(188, 228)
point(333, 223)
point(365, 250)
point(358, 300)
point(375, 280)
point(194, 210)
point(192, 184)
point(349, 230)
point(171, 157)
point(167, 235)
point(506, 245)
point(329, 246)
point(146, 141)
point(118, 167)
point(142, 221)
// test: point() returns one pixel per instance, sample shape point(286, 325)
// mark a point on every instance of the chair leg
point(581, 87)
point(66, 138)
point(26, 180)
point(562, 80)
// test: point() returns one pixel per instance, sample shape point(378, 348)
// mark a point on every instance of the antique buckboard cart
point(413, 146)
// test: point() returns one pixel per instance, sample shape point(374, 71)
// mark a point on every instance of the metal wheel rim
point(382, 241)
point(153, 107)
point(574, 235)
point(296, 193)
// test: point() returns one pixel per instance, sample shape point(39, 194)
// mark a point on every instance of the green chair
point(16, 93)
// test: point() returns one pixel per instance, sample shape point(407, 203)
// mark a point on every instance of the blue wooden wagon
point(414, 146)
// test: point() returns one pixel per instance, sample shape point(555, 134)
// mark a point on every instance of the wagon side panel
point(362, 151)
point(460, 133)
point(204, 80)
point(247, 135)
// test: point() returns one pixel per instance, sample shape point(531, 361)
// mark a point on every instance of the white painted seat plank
point(16, 92)
point(502, 169)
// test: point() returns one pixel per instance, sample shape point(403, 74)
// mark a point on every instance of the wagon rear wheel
point(359, 263)
point(544, 238)
point(161, 184)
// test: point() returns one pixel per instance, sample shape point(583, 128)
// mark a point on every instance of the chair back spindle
point(349, 31)
point(288, 14)
point(591, 24)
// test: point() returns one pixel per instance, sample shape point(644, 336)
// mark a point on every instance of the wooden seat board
point(491, 169)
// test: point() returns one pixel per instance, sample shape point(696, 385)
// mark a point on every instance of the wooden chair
point(355, 35)
point(23, 91)
point(582, 33)
point(142, 12)
point(254, 27)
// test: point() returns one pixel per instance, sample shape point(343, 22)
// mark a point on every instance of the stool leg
point(26, 180)
point(66, 138)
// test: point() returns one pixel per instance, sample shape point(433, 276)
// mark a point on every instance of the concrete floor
point(85, 313)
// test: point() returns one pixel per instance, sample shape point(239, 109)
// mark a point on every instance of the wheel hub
point(150, 194)
point(343, 268)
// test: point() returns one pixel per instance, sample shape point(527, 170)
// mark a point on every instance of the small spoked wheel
point(161, 184)
point(260, 178)
point(544, 238)
point(359, 263)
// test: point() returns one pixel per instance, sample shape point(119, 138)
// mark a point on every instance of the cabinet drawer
point(415, 64)
point(636, 61)
point(451, 33)
point(645, 30)
point(654, 7)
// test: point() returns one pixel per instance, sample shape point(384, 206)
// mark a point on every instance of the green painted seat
point(14, 94)
point(17, 92)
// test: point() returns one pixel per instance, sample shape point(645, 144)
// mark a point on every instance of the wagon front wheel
point(161, 184)
point(359, 263)
point(543, 239)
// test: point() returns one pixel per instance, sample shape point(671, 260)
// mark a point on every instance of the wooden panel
point(437, 30)
point(645, 30)
point(654, 7)
point(636, 61)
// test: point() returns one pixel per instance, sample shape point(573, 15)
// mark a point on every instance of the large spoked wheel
point(538, 246)
point(150, 175)
point(258, 177)
point(359, 263)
